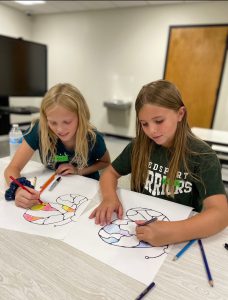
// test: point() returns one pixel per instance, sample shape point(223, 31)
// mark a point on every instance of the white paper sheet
point(117, 245)
point(65, 204)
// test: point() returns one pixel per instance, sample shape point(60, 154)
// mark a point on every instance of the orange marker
point(47, 183)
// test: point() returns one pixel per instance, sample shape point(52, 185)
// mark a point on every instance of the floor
point(114, 145)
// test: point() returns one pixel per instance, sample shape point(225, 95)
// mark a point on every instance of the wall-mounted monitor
point(23, 67)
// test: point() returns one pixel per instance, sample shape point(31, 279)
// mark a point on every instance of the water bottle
point(15, 139)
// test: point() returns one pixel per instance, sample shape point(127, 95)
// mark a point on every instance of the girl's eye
point(52, 123)
point(144, 124)
point(67, 122)
point(159, 121)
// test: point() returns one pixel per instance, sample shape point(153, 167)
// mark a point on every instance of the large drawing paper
point(62, 207)
point(117, 245)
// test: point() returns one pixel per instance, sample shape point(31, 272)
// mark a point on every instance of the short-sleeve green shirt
point(189, 190)
point(95, 152)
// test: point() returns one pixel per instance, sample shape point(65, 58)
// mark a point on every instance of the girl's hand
point(156, 234)
point(66, 169)
point(103, 213)
point(26, 200)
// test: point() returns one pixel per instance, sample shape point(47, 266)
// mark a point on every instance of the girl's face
point(62, 122)
point(160, 123)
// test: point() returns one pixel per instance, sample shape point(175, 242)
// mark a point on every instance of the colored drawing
point(116, 244)
point(121, 233)
point(56, 213)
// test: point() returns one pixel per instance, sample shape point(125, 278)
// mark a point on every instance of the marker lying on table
point(210, 280)
point(183, 249)
point(144, 292)
point(47, 183)
point(55, 183)
point(23, 187)
point(148, 222)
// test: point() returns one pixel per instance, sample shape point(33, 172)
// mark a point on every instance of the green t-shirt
point(63, 155)
point(188, 190)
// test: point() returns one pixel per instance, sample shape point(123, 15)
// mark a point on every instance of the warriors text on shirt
point(156, 183)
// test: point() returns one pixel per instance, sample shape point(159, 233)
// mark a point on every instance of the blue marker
point(210, 280)
point(144, 292)
point(183, 249)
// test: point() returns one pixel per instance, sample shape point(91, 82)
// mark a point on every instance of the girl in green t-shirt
point(185, 168)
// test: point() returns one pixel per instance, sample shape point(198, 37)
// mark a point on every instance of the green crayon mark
point(177, 183)
point(166, 181)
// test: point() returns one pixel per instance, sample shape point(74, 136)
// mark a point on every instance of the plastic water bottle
point(15, 139)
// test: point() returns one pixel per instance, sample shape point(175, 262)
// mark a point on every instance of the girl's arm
point(210, 221)
point(68, 168)
point(20, 159)
point(100, 164)
point(110, 201)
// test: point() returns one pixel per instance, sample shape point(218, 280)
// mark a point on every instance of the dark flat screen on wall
point(23, 67)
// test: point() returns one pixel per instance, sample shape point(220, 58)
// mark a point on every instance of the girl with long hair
point(168, 161)
point(67, 142)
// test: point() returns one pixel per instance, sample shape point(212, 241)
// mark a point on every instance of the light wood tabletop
point(35, 267)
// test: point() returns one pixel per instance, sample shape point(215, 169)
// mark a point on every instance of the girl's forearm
point(206, 223)
point(11, 171)
point(202, 225)
point(99, 165)
point(108, 184)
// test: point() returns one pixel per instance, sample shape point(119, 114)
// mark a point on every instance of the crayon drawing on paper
point(116, 243)
point(121, 233)
point(61, 208)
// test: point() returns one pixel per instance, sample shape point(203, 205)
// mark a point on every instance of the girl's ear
point(181, 113)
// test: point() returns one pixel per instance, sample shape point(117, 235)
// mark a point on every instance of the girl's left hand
point(156, 234)
point(66, 169)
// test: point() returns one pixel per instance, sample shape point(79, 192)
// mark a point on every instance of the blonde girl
point(66, 140)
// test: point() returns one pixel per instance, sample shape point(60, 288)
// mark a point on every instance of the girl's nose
point(152, 129)
point(59, 129)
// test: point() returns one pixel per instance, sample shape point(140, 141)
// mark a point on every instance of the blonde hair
point(70, 98)
point(165, 94)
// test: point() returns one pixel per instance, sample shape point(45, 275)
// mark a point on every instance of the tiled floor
point(114, 145)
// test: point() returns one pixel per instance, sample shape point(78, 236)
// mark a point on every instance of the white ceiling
point(52, 7)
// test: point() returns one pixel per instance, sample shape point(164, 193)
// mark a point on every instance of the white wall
point(110, 54)
point(14, 23)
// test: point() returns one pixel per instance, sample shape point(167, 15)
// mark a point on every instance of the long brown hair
point(165, 94)
point(69, 97)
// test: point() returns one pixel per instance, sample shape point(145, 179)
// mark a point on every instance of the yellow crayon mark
point(38, 207)
point(67, 208)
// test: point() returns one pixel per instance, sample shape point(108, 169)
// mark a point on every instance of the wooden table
point(35, 267)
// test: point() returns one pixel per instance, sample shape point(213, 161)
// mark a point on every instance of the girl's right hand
point(103, 213)
point(26, 200)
